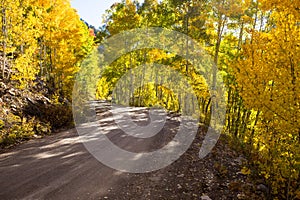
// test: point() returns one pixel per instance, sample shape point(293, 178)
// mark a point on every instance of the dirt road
point(59, 167)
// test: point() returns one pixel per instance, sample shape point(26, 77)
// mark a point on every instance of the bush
point(14, 129)
point(58, 115)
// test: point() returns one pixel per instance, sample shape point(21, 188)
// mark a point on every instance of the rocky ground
point(218, 176)
point(27, 113)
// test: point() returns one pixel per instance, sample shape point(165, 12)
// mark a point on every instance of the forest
point(255, 45)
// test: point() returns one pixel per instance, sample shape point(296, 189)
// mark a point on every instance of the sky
point(92, 10)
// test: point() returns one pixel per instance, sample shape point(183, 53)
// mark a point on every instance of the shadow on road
point(60, 167)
